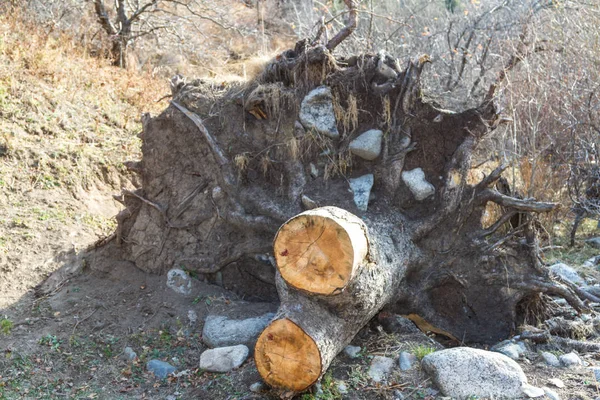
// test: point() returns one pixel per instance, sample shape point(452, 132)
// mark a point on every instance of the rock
point(570, 360)
point(380, 368)
point(258, 387)
point(314, 171)
point(361, 187)
point(567, 273)
point(192, 317)
point(160, 369)
point(179, 281)
point(532, 391)
point(593, 290)
point(407, 360)
point(129, 354)
point(352, 351)
point(342, 388)
point(462, 372)
point(316, 112)
point(398, 395)
point(596, 371)
point(299, 131)
point(556, 382)
point(308, 203)
point(224, 359)
point(397, 324)
point(367, 145)
point(592, 262)
point(551, 394)
point(419, 187)
point(510, 349)
point(594, 242)
point(171, 397)
point(550, 359)
point(220, 331)
point(217, 194)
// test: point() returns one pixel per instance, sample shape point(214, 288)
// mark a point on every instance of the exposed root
point(545, 337)
point(519, 204)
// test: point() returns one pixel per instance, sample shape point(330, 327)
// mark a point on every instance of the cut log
point(320, 251)
point(330, 283)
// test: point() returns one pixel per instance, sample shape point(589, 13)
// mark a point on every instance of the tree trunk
point(225, 166)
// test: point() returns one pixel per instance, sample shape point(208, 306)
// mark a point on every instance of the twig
point(80, 321)
point(518, 204)
point(348, 29)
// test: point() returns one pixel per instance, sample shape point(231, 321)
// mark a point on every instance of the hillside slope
point(67, 122)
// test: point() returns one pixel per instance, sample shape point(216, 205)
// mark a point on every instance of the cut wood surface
point(287, 357)
point(321, 250)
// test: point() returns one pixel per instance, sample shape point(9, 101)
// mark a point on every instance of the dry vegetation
point(68, 122)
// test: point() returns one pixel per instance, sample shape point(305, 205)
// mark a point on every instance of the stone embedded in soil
point(342, 388)
point(308, 203)
point(257, 387)
point(418, 185)
point(224, 359)
point(397, 324)
point(160, 369)
point(179, 281)
point(352, 351)
point(462, 372)
point(567, 273)
point(551, 394)
point(316, 112)
point(407, 360)
point(380, 368)
point(221, 331)
point(532, 391)
point(367, 145)
point(510, 349)
point(570, 360)
point(192, 317)
point(129, 354)
point(361, 187)
point(556, 382)
point(596, 371)
point(550, 359)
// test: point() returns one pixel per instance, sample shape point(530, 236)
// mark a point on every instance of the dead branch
point(348, 29)
point(519, 204)
point(545, 337)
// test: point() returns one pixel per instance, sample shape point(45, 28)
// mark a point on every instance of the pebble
point(257, 387)
point(570, 359)
point(179, 281)
point(160, 369)
point(551, 394)
point(407, 360)
point(129, 354)
point(556, 382)
point(550, 359)
point(532, 391)
point(352, 351)
point(342, 388)
point(224, 359)
point(380, 368)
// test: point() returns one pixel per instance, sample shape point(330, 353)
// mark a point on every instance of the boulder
point(220, 331)
point(462, 372)
point(510, 349)
point(570, 360)
point(367, 145)
point(550, 359)
point(316, 112)
point(224, 359)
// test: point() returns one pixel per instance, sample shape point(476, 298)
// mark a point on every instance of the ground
point(67, 124)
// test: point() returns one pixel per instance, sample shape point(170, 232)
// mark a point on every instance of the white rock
point(556, 382)
point(567, 273)
point(570, 360)
point(532, 391)
point(219, 331)
point(550, 359)
point(314, 171)
point(407, 360)
point(380, 368)
point(308, 203)
point(419, 187)
point(316, 112)
point(510, 349)
point(257, 387)
point(361, 187)
point(342, 388)
point(179, 281)
point(192, 317)
point(462, 372)
point(551, 394)
point(352, 351)
point(367, 145)
point(223, 359)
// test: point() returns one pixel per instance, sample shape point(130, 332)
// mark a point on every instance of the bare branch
point(348, 29)
point(518, 204)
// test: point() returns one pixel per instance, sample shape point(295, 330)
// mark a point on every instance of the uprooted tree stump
point(227, 164)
